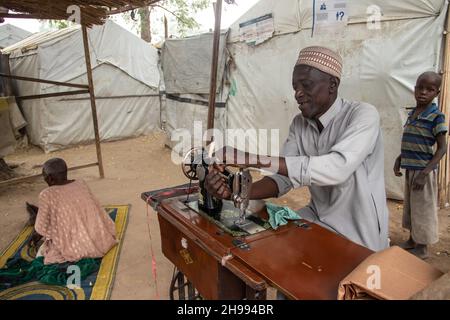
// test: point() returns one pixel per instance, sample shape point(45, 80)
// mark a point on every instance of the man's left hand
point(419, 181)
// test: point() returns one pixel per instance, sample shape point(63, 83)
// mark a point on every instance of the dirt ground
point(132, 167)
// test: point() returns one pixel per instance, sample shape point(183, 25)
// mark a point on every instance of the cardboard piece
point(391, 274)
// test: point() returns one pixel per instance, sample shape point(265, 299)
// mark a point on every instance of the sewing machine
point(310, 260)
point(224, 253)
point(221, 252)
point(236, 214)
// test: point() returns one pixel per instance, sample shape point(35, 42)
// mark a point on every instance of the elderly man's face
point(315, 91)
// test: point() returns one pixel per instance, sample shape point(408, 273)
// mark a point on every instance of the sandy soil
point(132, 167)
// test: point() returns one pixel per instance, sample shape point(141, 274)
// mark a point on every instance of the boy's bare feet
point(410, 244)
point(420, 251)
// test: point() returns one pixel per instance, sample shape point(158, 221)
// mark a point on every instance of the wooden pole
point(444, 166)
point(35, 176)
point(92, 97)
point(20, 16)
point(54, 94)
point(214, 65)
point(166, 28)
point(65, 84)
point(5, 82)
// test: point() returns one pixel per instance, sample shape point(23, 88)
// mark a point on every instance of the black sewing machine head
point(195, 166)
point(234, 215)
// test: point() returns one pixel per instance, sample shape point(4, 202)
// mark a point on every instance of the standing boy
point(424, 128)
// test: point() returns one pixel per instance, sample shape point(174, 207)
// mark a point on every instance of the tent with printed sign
point(385, 46)
point(126, 81)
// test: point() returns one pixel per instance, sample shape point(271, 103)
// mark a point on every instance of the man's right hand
point(397, 171)
point(216, 183)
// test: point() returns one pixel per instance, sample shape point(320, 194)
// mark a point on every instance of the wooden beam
point(54, 94)
point(32, 177)
point(130, 7)
point(92, 98)
point(114, 97)
point(21, 179)
point(214, 65)
point(83, 166)
point(65, 84)
point(19, 16)
point(121, 9)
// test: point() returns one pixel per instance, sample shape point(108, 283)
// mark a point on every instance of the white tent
point(10, 34)
point(126, 81)
point(186, 65)
point(380, 66)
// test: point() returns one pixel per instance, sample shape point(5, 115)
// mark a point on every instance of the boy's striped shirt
point(419, 137)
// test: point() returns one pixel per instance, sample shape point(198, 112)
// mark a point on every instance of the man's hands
point(236, 158)
point(397, 167)
point(216, 183)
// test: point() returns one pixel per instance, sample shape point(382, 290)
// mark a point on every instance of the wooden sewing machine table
point(302, 260)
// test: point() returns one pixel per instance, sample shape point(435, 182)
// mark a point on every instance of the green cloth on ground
point(19, 271)
point(278, 215)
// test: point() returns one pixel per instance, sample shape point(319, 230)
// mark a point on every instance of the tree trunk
point(166, 28)
point(144, 14)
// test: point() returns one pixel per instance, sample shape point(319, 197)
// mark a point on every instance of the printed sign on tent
point(257, 30)
point(329, 16)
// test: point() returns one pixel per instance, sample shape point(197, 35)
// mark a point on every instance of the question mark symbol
point(340, 14)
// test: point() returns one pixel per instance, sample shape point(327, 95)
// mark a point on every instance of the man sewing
point(334, 147)
point(70, 219)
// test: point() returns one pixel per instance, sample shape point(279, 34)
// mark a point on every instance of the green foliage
point(58, 24)
point(183, 11)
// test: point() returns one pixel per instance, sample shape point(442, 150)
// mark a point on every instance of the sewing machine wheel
point(188, 165)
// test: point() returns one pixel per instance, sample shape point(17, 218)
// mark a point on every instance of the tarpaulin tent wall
point(186, 65)
point(10, 34)
point(126, 81)
point(380, 66)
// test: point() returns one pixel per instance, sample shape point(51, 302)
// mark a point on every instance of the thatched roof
point(92, 11)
